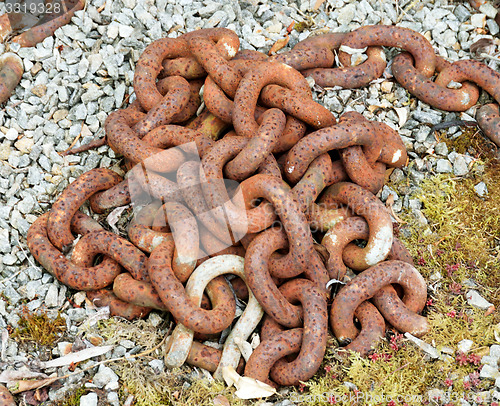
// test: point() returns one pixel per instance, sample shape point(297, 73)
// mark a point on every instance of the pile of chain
point(240, 184)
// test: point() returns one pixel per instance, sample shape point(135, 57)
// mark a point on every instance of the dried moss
point(38, 328)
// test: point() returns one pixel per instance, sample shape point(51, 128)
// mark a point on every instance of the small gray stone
point(157, 365)
point(489, 360)
point(346, 14)
point(465, 345)
point(89, 400)
point(397, 176)
point(476, 300)
point(4, 241)
point(461, 13)
point(77, 314)
point(481, 189)
point(427, 117)
point(419, 216)
point(460, 167)
point(497, 382)
point(113, 399)
point(51, 296)
point(489, 372)
point(492, 26)
point(441, 149)
point(104, 376)
point(444, 166)
point(495, 351)
point(11, 294)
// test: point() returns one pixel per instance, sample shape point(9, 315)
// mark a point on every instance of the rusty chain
point(302, 174)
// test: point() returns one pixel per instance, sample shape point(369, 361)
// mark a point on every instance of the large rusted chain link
point(422, 87)
point(363, 203)
point(174, 296)
point(309, 341)
point(366, 285)
point(348, 76)
point(413, 42)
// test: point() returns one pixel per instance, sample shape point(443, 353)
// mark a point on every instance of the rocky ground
point(74, 79)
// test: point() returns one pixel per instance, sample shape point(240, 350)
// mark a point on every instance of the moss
point(464, 243)
point(72, 398)
point(39, 328)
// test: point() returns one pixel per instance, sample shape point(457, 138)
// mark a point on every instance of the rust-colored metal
point(11, 72)
point(70, 200)
point(488, 118)
point(364, 203)
point(387, 35)
point(114, 246)
point(174, 297)
point(74, 276)
point(313, 340)
point(428, 91)
point(246, 97)
point(48, 25)
point(473, 71)
point(176, 99)
point(344, 134)
point(6, 398)
point(372, 329)
point(117, 307)
point(366, 285)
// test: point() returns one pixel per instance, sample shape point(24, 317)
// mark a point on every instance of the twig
point(63, 153)
point(82, 148)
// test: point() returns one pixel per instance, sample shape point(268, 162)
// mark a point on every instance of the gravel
point(74, 79)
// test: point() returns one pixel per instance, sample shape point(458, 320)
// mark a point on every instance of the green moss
point(72, 398)
point(38, 328)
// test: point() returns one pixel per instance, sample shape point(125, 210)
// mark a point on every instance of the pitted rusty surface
point(6, 398)
point(351, 77)
point(366, 285)
point(47, 26)
point(139, 293)
point(314, 336)
point(260, 282)
point(372, 329)
point(309, 342)
point(67, 204)
point(117, 307)
point(176, 99)
point(258, 147)
point(74, 276)
point(270, 351)
point(364, 203)
point(186, 236)
point(173, 295)
point(342, 135)
point(11, 72)
point(428, 91)
point(488, 118)
point(391, 36)
point(245, 100)
point(474, 71)
point(114, 246)
point(140, 230)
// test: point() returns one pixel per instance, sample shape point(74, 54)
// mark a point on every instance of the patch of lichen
point(171, 387)
point(462, 242)
point(141, 332)
point(38, 328)
point(402, 370)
